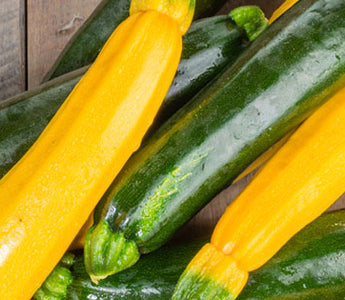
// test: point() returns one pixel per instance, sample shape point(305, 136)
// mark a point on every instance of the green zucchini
point(87, 42)
point(289, 71)
point(310, 265)
point(209, 45)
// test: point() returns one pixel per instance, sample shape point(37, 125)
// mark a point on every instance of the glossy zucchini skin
point(278, 81)
point(310, 265)
point(209, 45)
point(87, 42)
point(154, 277)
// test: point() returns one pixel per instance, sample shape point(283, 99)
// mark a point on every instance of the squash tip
point(211, 274)
point(107, 253)
point(56, 284)
point(251, 19)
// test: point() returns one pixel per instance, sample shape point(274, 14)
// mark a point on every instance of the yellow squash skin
point(49, 194)
point(180, 10)
point(281, 9)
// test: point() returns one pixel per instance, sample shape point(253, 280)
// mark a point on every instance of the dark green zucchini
point(209, 45)
point(87, 42)
point(289, 71)
point(310, 265)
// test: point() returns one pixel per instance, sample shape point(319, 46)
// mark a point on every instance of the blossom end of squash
point(211, 275)
point(107, 252)
point(56, 284)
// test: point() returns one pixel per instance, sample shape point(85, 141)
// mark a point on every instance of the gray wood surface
point(50, 24)
point(12, 47)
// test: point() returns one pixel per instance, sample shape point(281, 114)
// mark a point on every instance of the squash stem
point(251, 19)
point(108, 252)
point(56, 284)
point(211, 275)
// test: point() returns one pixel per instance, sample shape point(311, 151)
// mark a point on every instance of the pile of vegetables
point(240, 87)
point(311, 264)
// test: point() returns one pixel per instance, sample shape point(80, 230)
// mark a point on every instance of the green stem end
point(211, 275)
point(56, 284)
point(251, 19)
point(107, 252)
point(197, 286)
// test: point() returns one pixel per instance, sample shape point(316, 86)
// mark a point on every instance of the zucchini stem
point(56, 284)
point(251, 19)
point(107, 252)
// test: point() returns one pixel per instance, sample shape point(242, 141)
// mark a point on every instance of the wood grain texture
point(12, 47)
point(50, 25)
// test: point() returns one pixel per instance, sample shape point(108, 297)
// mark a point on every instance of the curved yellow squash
point(51, 191)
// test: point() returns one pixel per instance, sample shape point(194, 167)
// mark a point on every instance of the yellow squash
point(49, 194)
point(283, 8)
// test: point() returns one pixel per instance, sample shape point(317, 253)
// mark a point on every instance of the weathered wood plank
point(50, 25)
point(12, 47)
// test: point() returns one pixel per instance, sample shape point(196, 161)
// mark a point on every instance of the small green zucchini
point(209, 45)
point(86, 43)
point(278, 81)
point(310, 265)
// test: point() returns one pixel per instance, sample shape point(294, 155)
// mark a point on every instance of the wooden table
point(34, 32)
